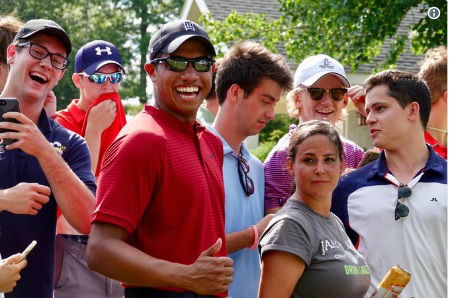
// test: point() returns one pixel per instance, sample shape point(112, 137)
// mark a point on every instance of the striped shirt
point(279, 182)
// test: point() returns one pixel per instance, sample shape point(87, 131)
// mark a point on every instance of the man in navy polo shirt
point(395, 208)
point(47, 166)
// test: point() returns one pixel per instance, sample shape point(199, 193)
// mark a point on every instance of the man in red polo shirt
point(98, 116)
point(159, 221)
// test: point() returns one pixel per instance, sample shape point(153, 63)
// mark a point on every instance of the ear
point(413, 111)
point(11, 53)
point(290, 166)
point(150, 69)
point(76, 79)
point(345, 100)
point(234, 93)
point(297, 99)
point(445, 97)
point(342, 166)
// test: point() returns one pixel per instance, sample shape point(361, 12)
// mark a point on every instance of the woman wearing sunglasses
point(319, 93)
point(305, 251)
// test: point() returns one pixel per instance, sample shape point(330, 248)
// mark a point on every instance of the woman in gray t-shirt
point(305, 251)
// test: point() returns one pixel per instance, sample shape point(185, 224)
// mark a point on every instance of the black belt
point(77, 238)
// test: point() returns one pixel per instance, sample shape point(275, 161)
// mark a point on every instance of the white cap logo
point(327, 64)
point(189, 26)
point(105, 50)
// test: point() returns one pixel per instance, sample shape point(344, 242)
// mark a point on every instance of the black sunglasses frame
point(197, 63)
point(332, 92)
point(65, 64)
point(246, 181)
point(402, 210)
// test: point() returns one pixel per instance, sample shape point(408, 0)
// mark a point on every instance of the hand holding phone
point(8, 105)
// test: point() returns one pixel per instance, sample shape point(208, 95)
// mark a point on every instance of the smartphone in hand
point(8, 105)
point(27, 250)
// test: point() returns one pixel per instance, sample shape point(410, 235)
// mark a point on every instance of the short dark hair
point(246, 64)
point(9, 26)
point(406, 88)
point(213, 92)
point(434, 71)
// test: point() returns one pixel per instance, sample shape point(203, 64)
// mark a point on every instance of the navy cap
point(173, 34)
point(50, 27)
point(96, 54)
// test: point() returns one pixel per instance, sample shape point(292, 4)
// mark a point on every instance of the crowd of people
point(173, 204)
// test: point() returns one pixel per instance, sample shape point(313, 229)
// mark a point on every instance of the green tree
point(126, 23)
point(352, 31)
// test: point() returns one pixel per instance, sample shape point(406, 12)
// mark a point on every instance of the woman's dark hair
point(313, 128)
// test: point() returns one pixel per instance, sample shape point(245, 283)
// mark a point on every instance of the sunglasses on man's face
point(402, 210)
point(336, 94)
point(100, 78)
point(179, 64)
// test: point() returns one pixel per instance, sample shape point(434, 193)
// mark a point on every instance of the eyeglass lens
point(40, 52)
point(179, 64)
point(336, 94)
point(100, 78)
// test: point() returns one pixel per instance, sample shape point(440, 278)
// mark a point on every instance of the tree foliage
point(126, 23)
point(352, 31)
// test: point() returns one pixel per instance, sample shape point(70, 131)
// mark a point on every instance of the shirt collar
point(432, 164)
point(227, 148)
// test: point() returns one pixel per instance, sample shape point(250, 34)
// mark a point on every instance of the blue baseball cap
point(96, 54)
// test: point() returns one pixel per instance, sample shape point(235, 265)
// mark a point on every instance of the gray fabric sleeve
point(288, 236)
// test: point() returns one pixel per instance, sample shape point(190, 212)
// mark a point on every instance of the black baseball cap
point(33, 27)
point(173, 34)
point(95, 54)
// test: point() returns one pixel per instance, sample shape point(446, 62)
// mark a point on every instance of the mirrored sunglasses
point(100, 78)
point(336, 94)
point(179, 64)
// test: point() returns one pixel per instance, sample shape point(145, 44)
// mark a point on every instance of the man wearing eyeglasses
point(47, 167)
point(395, 208)
point(249, 81)
point(159, 223)
point(98, 116)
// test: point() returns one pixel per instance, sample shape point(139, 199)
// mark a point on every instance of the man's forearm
point(74, 199)
point(238, 240)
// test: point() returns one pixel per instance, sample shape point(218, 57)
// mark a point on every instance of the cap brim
point(91, 69)
point(177, 42)
point(312, 80)
point(61, 35)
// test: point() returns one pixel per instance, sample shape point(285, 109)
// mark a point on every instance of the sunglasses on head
point(402, 210)
point(100, 78)
point(336, 94)
point(246, 181)
point(179, 64)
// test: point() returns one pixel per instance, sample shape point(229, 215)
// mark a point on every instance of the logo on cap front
point(189, 26)
point(327, 64)
point(105, 50)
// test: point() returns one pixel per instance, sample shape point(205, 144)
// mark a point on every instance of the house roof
point(406, 62)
